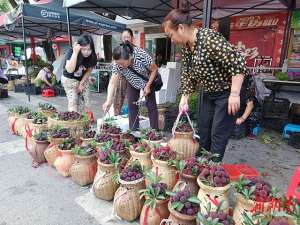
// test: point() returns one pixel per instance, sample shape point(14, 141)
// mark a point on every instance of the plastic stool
point(124, 110)
point(294, 184)
point(48, 93)
point(236, 170)
point(289, 128)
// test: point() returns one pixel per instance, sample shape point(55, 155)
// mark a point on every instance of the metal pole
point(69, 28)
point(207, 10)
point(26, 67)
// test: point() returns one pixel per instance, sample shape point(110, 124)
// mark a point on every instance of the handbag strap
point(137, 73)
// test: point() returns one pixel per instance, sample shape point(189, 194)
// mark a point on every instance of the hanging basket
point(213, 195)
point(184, 144)
point(104, 187)
point(127, 202)
point(84, 169)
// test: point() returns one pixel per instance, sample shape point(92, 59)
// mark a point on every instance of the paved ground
point(40, 196)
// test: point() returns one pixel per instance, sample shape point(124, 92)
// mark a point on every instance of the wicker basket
point(190, 181)
point(127, 202)
point(177, 218)
point(28, 127)
point(37, 151)
point(64, 162)
point(213, 195)
point(85, 141)
point(37, 128)
point(151, 216)
point(167, 173)
point(153, 144)
point(104, 187)
point(84, 169)
point(47, 113)
point(184, 145)
point(12, 119)
point(143, 157)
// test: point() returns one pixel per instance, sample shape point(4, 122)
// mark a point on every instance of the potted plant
point(84, 169)
point(47, 109)
point(40, 143)
point(56, 136)
point(66, 159)
point(155, 208)
point(249, 193)
point(127, 203)
point(104, 187)
point(141, 151)
point(161, 158)
point(217, 217)
point(214, 183)
point(28, 119)
point(87, 137)
point(113, 131)
point(152, 137)
point(183, 141)
point(183, 207)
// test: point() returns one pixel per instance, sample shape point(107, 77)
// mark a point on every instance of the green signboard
point(296, 19)
point(17, 51)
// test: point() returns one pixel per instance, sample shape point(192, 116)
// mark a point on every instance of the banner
point(259, 36)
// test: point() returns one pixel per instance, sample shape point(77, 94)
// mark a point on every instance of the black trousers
point(215, 124)
point(133, 110)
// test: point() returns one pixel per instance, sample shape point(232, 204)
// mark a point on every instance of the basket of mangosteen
point(141, 151)
point(66, 158)
point(214, 183)
point(16, 119)
point(183, 141)
point(72, 120)
point(87, 137)
point(183, 207)
point(40, 144)
point(104, 186)
point(249, 193)
point(84, 169)
point(47, 109)
point(214, 217)
point(56, 136)
point(155, 208)
point(127, 202)
point(39, 123)
point(102, 138)
point(152, 137)
point(161, 158)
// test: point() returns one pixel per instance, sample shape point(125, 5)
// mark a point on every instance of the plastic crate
point(49, 92)
point(33, 90)
point(276, 108)
point(274, 124)
point(236, 170)
point(19, 88)
point(60, 91)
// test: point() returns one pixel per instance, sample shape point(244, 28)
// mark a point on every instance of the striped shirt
point(141, 63)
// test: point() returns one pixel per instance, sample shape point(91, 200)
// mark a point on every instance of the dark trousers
point(133, 110)
point(215, 124)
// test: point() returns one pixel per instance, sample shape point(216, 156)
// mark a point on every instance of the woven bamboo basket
point(127, 202)
point(104, 187)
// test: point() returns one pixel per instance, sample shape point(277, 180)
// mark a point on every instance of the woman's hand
point(77, 48)
point(147, 90)
point(80, 88)
point(239, 121)
point(184, 103)
point(106, 106)
point(233, 104)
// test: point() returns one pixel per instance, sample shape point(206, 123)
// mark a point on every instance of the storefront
point(294, 45)
point(259, 36)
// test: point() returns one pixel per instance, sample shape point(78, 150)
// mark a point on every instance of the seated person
point(45, 78)
point(249, 105)
point(3, 79)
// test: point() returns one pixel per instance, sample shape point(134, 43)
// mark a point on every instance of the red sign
point(259, 35)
